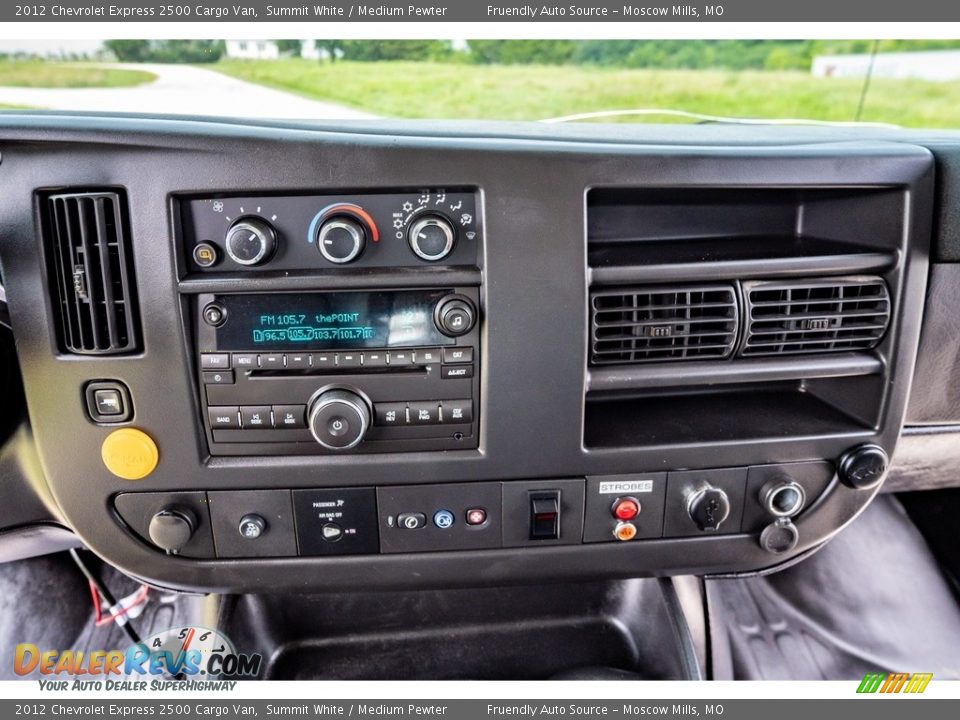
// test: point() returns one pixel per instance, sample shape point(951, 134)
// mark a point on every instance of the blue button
point(443, 519)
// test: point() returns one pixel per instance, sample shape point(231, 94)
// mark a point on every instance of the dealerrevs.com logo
point(177, 655)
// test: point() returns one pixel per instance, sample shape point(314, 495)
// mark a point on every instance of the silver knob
point(431, 238)
point(341, 240)
point(339, 419)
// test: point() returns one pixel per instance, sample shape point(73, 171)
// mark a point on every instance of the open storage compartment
point(481, 633)
point(739, 314)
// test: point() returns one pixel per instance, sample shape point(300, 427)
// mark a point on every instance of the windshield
point(900, 82)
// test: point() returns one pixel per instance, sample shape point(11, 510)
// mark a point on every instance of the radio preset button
point(456, 411)
point(400, 358)
point(290, 416)
point(349, 360)
point(245, 361)
point(215, 361)
point(273, 361)
point(390, 414)
point(218, 377)
point(458, 355)
point(255, 417)
point(450, 372)
point(298, 361)
point(375, 359)
point(324, 360)
point(225, 417)
point(424, 413)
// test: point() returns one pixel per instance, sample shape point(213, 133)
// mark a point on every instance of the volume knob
point(339, 419)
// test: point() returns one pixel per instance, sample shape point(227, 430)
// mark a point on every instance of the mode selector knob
point(339, 419)
point(341, 239)
point(251, 241)
point(431, 237)
point(455, 315)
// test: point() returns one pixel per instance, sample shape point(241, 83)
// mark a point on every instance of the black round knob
point(863, 467)
point(341, 239)
point(708, 507)
point(339, 419)
point(454, 316)
point(431, 237)
point(780, 536)
point(214, 315)
point(171, 529)
point(252, 526)
point(251, 241)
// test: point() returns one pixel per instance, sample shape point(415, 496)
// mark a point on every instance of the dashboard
point(296, 357)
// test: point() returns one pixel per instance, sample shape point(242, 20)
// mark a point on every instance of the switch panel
point(234, 537)
point(336, 521)
point(521, 497)
point(608, 494)
point(442, 515)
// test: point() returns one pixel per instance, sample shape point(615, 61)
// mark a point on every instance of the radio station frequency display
point(329, 321)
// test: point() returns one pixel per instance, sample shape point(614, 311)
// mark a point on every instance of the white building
point(936, 65)
point(253, 49)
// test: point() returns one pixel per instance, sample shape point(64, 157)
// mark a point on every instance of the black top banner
point(613, 11)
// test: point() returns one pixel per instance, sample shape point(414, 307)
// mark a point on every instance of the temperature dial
point(341, 239)
point(251, 241)
point(431, 237)
point(339, 419)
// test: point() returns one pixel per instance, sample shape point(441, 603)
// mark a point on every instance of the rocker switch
point(545, 515)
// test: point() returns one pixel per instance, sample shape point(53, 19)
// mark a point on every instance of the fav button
point(129, 453)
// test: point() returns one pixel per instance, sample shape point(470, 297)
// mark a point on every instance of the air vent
point(646, 324)
point(818, 316)
point(91, 272)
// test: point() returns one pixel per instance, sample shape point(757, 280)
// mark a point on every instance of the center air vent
point(645, 324)
point(805, 316)
point(91, 272)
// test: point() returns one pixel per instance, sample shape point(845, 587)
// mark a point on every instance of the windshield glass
point(901, 82)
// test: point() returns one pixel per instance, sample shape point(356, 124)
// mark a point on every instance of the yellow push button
point(130, 453)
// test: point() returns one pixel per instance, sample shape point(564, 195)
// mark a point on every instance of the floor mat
point(46, 601)
point(873, 599)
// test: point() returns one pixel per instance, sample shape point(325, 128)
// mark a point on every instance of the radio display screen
point(330, 321)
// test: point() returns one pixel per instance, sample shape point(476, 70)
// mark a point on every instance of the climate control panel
point(316, 232)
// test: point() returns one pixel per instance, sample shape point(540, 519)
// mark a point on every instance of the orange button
point(625, 531)
point(129, 453)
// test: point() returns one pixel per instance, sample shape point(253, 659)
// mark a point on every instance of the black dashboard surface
point(546, 417)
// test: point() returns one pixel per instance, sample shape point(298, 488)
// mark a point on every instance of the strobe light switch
point(545, 515)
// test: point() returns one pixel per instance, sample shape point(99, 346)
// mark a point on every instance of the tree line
point(666, 54)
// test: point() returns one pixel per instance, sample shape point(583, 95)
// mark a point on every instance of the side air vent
point(832, 315)
point(91, 272)
point(645, 324)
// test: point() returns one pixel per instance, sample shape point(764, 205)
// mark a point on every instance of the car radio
point(333, 372)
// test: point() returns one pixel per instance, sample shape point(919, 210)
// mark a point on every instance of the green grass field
point(437, 90)
point(43, 74)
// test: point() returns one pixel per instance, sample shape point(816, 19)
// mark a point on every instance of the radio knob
point(454, 316)
point(251, 241)
point(339, 419)
point(431, 238)
point(341, 239)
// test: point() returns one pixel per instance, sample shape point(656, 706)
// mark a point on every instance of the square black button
point(108, 401)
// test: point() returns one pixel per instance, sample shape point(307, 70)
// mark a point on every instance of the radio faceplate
point(355, 372)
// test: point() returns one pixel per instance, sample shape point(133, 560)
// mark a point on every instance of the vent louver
point(91, 272)
point(646, 324)
point(832, 315)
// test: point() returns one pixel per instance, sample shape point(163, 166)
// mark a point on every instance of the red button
point(625, 509)
point(476, 516)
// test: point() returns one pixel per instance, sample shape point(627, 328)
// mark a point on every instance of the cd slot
point(316, 371)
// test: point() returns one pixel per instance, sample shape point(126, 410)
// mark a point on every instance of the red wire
point(100, 619)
